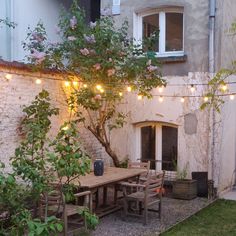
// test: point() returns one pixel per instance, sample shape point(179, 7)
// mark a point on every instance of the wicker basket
point(185, 189)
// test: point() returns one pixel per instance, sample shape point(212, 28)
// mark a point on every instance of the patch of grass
point(218, 219)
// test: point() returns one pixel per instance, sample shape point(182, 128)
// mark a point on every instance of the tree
point(104, 61)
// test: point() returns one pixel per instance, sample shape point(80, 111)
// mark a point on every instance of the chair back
point(154, 184)
point(139, 165)
point(51, 203)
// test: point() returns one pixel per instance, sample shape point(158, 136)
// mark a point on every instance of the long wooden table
point(111, 176)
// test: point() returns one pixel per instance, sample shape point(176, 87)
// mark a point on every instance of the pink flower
point(73, 22)
point(84, 51)
point(98, 97)
point(38, 37)
point(97, 66)
point(93, 24)
point(111, 72)
point(89, 39)
point(71, 38)
point(152, 68)
point(39, 56)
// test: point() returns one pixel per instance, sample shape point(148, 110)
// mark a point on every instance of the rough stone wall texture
point(20, 90)
point(196, 20)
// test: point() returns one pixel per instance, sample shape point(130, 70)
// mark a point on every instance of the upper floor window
point(169, 23)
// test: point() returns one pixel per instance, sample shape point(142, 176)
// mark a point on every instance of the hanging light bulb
point(98, 87)
point(38, 81)
point(67, 83)
point(182, 99)
point(129, 89)
point(231, 97)
point(8, 76)
point(161, 99)
point(224, 87)
point(206, 99)
point(75, 83)
point(160, 89)
point(192, 88)
point(85, 86)
point(140, 97)
point(120, 94)
point(102, 90)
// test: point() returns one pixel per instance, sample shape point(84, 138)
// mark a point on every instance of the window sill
point(173, 59)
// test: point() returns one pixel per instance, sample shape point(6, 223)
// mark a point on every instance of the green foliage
point(181, 174)
point(8, 23)
point(91, 220)
point(30, 161)
point(99, 54)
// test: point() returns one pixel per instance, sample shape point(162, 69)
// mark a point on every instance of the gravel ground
point(173, 211)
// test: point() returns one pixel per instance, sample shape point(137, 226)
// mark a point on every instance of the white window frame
point(138, 29)
point(158, 141)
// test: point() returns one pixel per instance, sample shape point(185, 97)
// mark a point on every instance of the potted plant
point(184, 188)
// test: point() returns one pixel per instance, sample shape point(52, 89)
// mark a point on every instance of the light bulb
point(120, 94)
point(224, 87)
point(85, 86)
point(161, 99)
point(67, 83)
point(192, 88)
point(160, 89)
point(206, 99)
point(38, 81)
point(140, 97)
point(231, 97)
point(102, 90)
point(129, 89)
point(75, 83)
point(98, 87)
point(8, 76)
point(182, 99)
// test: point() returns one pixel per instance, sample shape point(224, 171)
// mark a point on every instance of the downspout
point(212, 14)
point(9, 31)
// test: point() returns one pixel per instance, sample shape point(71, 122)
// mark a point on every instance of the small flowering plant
point(105, 60)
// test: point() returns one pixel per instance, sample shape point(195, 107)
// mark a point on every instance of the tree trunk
point(107, 147)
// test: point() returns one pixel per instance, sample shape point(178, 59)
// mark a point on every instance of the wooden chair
point(132, 165)
point(53, 203)
point(147, 193)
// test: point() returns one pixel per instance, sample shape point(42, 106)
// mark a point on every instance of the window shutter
point(116, 7)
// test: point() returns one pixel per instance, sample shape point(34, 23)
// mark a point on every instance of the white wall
point(26, 13)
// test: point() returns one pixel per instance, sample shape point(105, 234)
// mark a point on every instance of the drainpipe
point(9, 32)
point(212, 14)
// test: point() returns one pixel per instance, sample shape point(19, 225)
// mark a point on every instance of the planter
point(185, 189)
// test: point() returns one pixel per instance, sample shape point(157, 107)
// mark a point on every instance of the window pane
point(174, 32)
point(148, 135)
point(169, 147)
point(150, 25)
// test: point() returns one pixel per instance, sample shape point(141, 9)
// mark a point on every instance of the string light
point(75, 83)
point(85, 86)
point(160, 89)
point(192, 88)
point(98, 87)
point(182, 99)
point(67, 83)
point(129, 89)
point(206, 99)
point(8, 76)
point(231, 97)
point(38, 81)
point(161, 99)
point(140, 97)
point(102, 90)
point(224, 87)
point(120, 94)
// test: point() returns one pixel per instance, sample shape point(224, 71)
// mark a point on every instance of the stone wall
point(19, 91)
